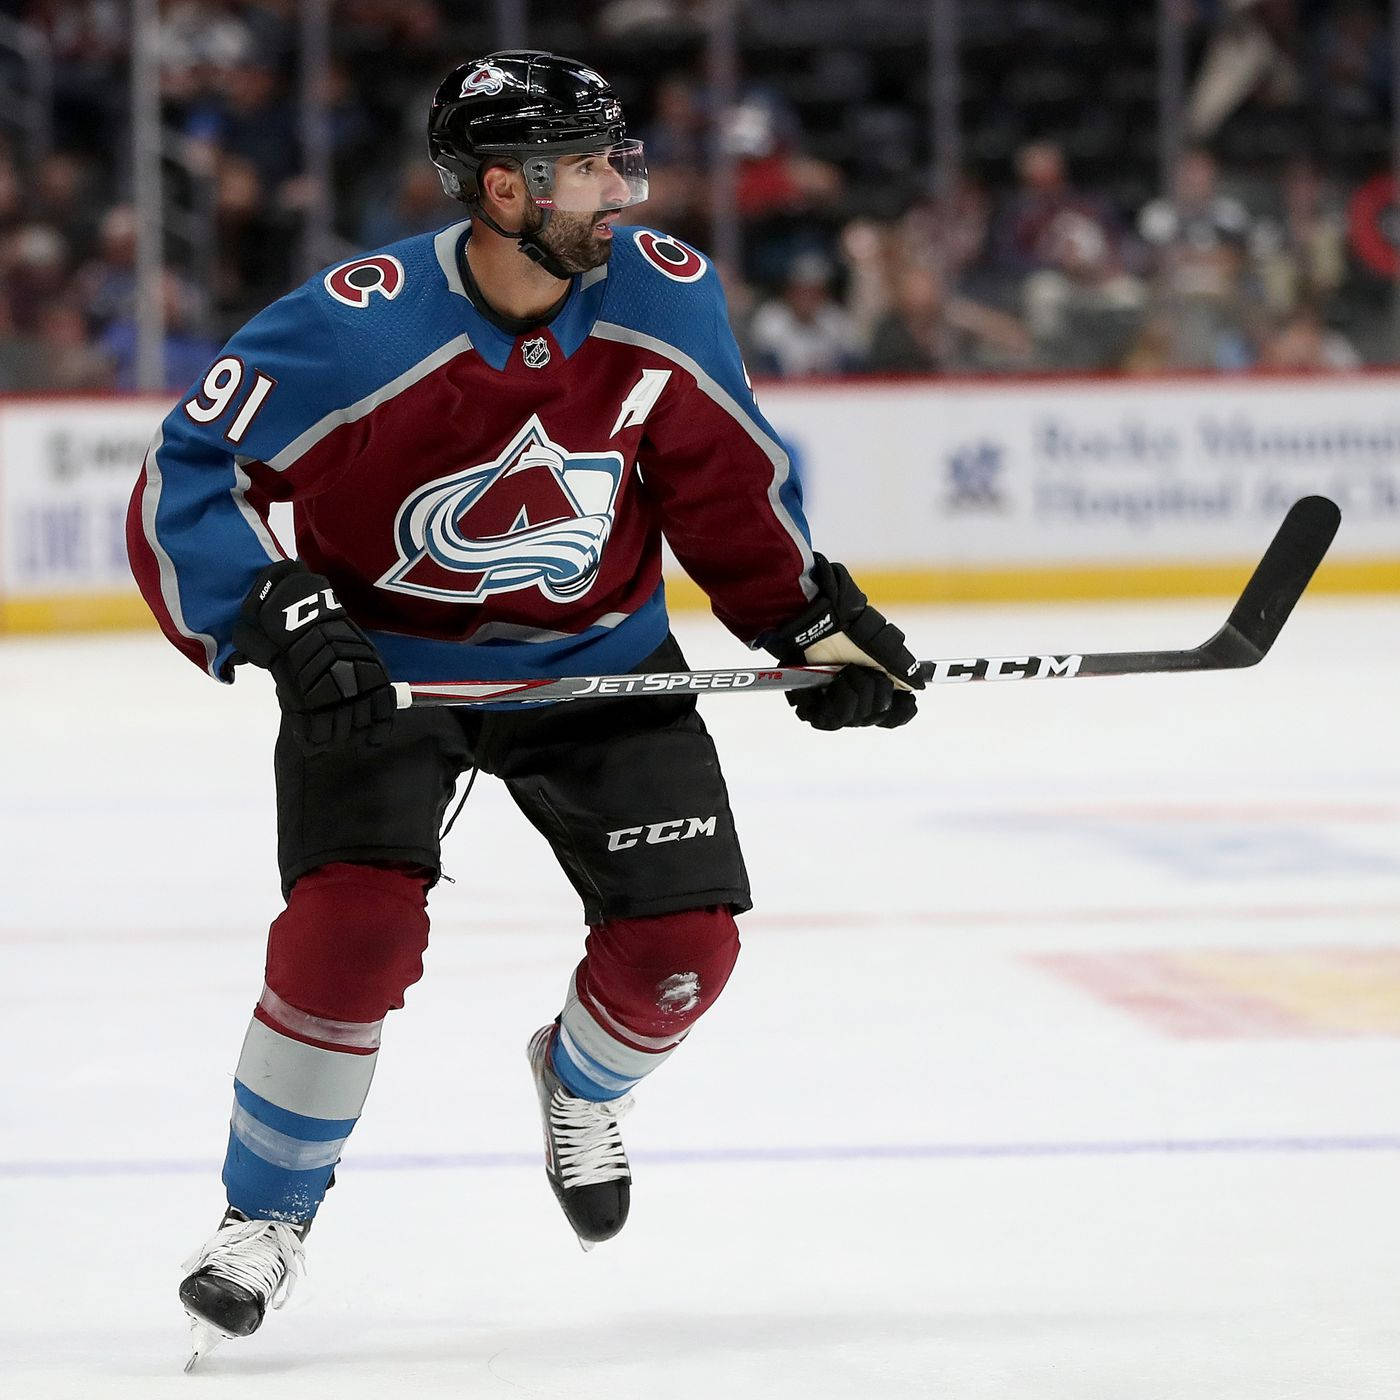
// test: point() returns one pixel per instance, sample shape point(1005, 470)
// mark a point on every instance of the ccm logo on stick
point(1007, 668)
point(658, 833)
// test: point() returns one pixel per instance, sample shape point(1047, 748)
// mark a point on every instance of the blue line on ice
point(702, 1156)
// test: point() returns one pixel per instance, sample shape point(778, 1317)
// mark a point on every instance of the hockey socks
point(299, 1089)
point(593, 1061)
point(339, 959)
point(635, 996)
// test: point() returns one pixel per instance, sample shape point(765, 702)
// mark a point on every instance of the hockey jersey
point(486, 505)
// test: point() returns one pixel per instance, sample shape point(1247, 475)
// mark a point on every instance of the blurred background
point(923, 186)
point(979, 195)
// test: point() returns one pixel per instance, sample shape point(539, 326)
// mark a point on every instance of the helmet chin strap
point(528, 243)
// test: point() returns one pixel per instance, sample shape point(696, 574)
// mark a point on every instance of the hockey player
point(485, 434)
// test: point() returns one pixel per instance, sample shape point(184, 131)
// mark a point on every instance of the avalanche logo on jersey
point(536, 517)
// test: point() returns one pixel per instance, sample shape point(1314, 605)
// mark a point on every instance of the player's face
point(588, 192)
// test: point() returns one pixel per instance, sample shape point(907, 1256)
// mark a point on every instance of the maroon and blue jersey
point(484, 504)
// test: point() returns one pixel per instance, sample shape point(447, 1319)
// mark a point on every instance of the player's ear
point(503, 187)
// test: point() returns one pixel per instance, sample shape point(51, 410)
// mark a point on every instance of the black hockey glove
point(841, 626)
point(331, 684)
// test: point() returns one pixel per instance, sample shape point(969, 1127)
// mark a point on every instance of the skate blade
point(203, 1340)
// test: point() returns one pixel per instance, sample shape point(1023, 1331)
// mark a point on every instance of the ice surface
point(1063, 1060)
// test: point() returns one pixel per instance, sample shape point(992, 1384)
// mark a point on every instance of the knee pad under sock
point(641, 986)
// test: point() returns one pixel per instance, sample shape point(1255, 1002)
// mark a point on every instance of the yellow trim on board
point(1031, 584)
point(1082, 582)
point(74, 612)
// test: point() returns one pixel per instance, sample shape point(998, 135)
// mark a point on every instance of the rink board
point(951, 490)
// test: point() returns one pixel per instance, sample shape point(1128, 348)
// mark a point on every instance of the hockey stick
point(1254, 623)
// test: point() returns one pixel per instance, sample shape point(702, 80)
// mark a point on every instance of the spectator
point(34, 265)
point(1152, 348)
point(66, 358)
point(949, 231)
point(11, 196)
point(1198, 239)
point(88, 45)
point(678, 156)
point(1303, 342)
point(187, 354)
point(679, 131)
point(62, 195)
point(631, 17)
point(785, 197)
point(1302, 254)
point(21, 366)
point(203, 41)
point(741, 304)
point(1249, 56)
point(391, 26)
point(804, 331)
point(872, 257)
point(418, 206)
point(1208, 284)
point(107, 282)
point(1083, 308)
point(250, 118)
point(255, 242)
point(927, 331)
point(1029, 233)
point(1356, 63)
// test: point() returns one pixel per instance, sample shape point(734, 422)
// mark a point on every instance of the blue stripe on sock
point(264, 1192)
point(577, 1078)
point(296, 1125)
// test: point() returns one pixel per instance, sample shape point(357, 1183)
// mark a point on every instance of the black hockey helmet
point(527, 107)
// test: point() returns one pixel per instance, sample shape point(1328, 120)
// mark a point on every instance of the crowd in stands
point(1037, 260)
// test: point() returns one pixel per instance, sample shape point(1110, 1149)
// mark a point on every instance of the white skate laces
point(587, 1143)
point(263, 1256)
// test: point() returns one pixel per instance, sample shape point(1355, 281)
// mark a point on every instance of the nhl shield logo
point(535, 353)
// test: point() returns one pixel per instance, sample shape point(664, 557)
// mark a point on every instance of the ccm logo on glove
point(331, 684)
point(878, 672)
point(819, 629)
point(305, 610)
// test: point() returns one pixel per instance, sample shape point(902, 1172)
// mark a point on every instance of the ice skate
point(245, 1268)
point(584, 1158)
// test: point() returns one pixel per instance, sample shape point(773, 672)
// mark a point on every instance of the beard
point(570, 238)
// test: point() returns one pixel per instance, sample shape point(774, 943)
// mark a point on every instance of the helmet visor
point(612, 178)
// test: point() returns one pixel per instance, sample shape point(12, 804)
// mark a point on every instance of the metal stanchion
point(1171, 90)
point(1392, 229)
point(314, 76)
point(148, 195)
point(511, 25)
point(944, 98)
point(722, 73)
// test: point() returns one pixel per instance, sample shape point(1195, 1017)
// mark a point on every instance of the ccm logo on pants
point(658, 833)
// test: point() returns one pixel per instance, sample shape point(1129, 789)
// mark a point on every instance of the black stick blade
point(1277, 583)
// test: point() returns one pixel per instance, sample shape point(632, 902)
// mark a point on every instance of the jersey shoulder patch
point(660, 285)
point(354, 283)
point(669, 256)
point(387, 308)
point(380, 282)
